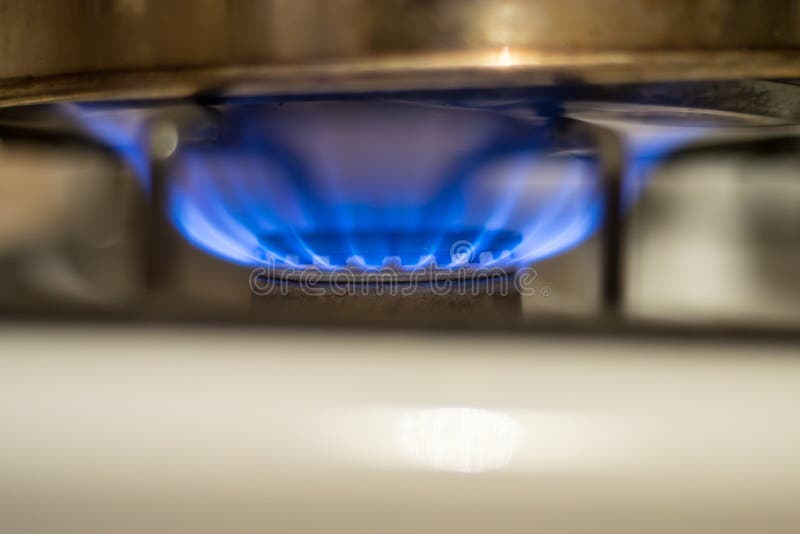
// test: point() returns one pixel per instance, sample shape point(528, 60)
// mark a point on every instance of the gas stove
point(469, 265)
point(569, 201)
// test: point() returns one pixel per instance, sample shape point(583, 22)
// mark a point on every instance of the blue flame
point(369, 184)
point(400, 184)
point(122, 129)
point(648, 146)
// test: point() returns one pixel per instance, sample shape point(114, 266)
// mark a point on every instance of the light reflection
point(459, 439)
point(504, 60)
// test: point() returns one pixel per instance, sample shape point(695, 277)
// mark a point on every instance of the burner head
point(402, 251)
point(387, 294)
point(373, 184)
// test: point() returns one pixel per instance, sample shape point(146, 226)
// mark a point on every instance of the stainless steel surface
point(715, 237)
point(170, 48)
point(70, 221)
point(171, 430)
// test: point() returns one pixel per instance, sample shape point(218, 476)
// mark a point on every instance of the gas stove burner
point(400, 251)
point(294, 186)
point(389, 275)
point(455, 196)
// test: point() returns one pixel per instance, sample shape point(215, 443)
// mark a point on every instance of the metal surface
point(173, 48)
point(69, 225)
